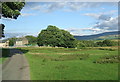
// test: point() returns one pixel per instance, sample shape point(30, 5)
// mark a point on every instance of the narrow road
point(16, 67)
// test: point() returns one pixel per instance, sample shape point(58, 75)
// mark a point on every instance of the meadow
point(70, 64)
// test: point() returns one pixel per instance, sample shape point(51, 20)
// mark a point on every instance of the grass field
point(70, 64)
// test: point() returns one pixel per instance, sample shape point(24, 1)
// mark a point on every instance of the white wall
point(2, 44)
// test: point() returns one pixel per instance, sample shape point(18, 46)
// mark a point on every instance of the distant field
point(70, 64)
point(110, 47)
point(109, 37)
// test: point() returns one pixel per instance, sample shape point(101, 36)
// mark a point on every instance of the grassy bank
point(70, 64)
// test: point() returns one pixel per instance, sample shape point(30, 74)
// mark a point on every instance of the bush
point(110, 49)
point(108, 59)
point(108, 43)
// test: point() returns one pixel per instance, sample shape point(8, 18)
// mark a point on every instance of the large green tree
point(10, 10)
point(53, 36)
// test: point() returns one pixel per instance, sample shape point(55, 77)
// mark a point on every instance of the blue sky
point(78, 18)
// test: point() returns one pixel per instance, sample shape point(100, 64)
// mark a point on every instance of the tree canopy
point(53, 36)
point(31, 39)
point(10, 10)
point(12, 41)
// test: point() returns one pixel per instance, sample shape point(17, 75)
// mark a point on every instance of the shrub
point(110, 49)
point(108, 59)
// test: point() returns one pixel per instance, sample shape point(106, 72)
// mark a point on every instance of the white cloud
point(27, 14)
point(83, 31)
point(7, 19)
point(112, 24)
point(65, 6)
point(79, 6)
point(102, 16)
point(92, 15)
point(36, 7)
point(68, 6)
point(103, 26)
point(49, 7)
point(70, 0)
point(105, 21)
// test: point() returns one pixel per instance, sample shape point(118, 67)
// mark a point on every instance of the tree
point(2, 30)
point(100, 43)
point(53, 36)
point(81, 45)
point(10, 10)
point(108, 42)
point(12, 41)
point(31, 39)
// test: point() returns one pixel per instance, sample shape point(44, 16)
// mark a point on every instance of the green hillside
point(111, 37)
point(101, 36)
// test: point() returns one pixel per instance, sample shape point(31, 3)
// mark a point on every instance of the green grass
point(5, 52)
point(65, 64)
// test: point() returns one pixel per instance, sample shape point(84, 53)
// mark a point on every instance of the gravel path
point(16, 67)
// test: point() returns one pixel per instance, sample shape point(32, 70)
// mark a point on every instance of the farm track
point(16, 67)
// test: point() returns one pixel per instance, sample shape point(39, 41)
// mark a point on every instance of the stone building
point(21, 42)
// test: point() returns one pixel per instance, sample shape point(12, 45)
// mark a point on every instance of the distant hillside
point(101, 36)
point(10, 35)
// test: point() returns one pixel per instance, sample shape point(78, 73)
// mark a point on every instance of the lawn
point(5, 54)
point(70, 64)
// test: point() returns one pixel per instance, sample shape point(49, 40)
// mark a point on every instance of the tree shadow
point(4, 52)
point(9, 52)
point(24, 51)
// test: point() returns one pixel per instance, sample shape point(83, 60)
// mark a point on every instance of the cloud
point(27, 14)
point(105, 21)
point(84, 5)
point(49, 7)
point(65, 6)
point(100, 27)
point(83, 31)
point(92, 15)
point(102, 16)
point(112, 24)
point(61, 0)
point(7, 19)
point(54, 6)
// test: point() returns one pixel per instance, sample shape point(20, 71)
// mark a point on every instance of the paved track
point(16, 67)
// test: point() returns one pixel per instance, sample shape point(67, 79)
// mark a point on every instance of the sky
point(79, 18)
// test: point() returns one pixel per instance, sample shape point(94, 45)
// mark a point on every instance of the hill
point(101, 36)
